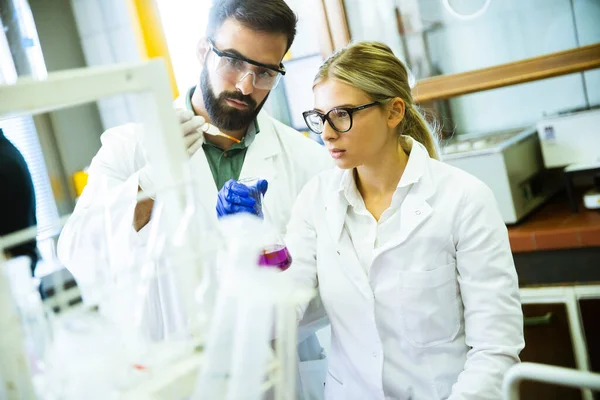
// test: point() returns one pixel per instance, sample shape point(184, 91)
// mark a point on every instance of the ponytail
point(415, 126)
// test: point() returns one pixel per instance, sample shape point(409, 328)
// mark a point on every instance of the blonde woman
point(410, 255)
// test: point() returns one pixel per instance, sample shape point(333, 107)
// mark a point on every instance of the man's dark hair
point(269, 16)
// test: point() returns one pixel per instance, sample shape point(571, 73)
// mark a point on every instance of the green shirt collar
point(251, 132)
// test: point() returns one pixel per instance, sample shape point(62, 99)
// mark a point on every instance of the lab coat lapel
point(259, 158)
point(335, 212)
point(205, 189)
point(414, 212)
point(415, 209)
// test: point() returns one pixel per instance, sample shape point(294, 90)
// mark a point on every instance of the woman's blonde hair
point(373, 68)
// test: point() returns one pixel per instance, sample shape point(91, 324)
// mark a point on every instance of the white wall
point(587, 13)
point(510, 30)
point(374, 20)
point(74, 131)
point(184, 23)
point(107, 36)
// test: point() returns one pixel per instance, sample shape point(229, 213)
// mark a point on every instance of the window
point(184, 23)
point(22, 133)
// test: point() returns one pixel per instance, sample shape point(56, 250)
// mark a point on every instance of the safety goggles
point(235, 68)
point(339, 118)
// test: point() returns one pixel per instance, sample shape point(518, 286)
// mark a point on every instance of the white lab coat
point(279, 154)
point(438, 316)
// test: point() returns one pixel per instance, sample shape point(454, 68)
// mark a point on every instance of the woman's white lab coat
point(279, 154)
point(439, 315)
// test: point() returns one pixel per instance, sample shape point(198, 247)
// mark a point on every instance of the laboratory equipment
point(30, 310)
point(572, 141)
point(69, 88)
point(276, 256)
point(214, 131)
point(510, 163)
point(20, 50)
point(239, 358)
point(253, 182)
point(126, 362)
point(466, 17)
point(242, 319)
point(274, 253)
point(8, 72)
point(15, 373)
point(591, 198)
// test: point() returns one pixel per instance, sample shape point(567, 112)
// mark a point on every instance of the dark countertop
point(553, 227)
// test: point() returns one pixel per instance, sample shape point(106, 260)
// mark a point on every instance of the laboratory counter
point(553, 227)
point(554, 246)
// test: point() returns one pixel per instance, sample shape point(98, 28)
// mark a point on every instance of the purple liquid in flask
point(275, 256)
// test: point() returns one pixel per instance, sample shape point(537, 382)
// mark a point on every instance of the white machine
point(510, 163)
point(572, 141)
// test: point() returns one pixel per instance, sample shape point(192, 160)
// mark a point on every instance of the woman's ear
point(202, 49)
point(397, 109)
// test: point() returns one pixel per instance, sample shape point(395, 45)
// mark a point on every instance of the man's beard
point(223, 116)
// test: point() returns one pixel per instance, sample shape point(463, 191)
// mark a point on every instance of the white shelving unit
point(149, 82)
point(548, 374)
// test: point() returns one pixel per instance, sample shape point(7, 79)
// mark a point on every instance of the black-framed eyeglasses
point(235, 67)
point(339, 118)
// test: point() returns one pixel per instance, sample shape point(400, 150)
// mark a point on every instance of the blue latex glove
point(235, 197)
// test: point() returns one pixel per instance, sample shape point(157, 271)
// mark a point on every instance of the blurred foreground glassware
point(275, 253)
point(20, 50)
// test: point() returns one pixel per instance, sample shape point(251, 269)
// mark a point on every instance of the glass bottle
point(276, 253)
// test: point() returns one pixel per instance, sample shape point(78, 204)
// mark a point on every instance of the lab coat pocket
point(312, 376)
point(334, 388)
point(429, 306)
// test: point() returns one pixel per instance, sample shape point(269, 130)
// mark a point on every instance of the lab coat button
point(418, 212)
point(374, 354)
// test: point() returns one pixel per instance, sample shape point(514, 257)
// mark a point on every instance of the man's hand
point(142, 213)
point(192, 138)
point(235, 197)
point(192, 134)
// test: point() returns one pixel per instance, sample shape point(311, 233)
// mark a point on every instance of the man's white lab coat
point(279, 154)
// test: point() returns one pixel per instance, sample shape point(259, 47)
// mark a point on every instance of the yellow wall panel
point(151, 37)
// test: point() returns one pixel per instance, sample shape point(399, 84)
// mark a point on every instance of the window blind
point(22, 133)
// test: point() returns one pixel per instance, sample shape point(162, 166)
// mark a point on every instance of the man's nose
point(246, 83)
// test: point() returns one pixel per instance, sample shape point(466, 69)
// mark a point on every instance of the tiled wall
point(510, 30)
point(108, 37)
